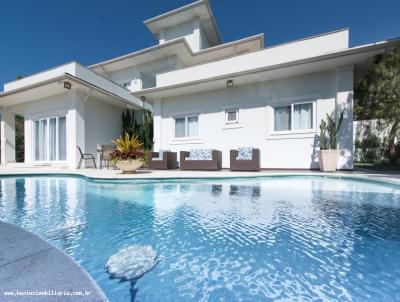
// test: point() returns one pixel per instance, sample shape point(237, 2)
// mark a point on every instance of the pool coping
point(90, 174)
point(40, 271)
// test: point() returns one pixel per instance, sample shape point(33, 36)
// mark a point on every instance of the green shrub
point(370, 147)
point(143, 129)
point(19, 139)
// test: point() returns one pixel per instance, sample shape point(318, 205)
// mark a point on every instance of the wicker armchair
point(168, 161)
point(243, 164)
point(212, 165)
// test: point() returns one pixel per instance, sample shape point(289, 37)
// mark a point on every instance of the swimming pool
point(277, 238)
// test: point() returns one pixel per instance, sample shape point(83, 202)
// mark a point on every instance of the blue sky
point(39, 34)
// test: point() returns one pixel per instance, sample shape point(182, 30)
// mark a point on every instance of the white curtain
point(302, 116)
point(282, 118)
point(41, 140)
point(47, 138)
point(62, 139)
point(180, 127)
point(53, 139)
point(193, 126)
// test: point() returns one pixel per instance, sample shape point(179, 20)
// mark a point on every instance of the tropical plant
point(377, 95)
point(128, 121)
point(146, 130)
point(128, 147)
point(331, 127)
point(143, 130)
point(323, 143)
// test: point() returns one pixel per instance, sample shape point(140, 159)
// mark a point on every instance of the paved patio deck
point(20, 169)
point(33, 270)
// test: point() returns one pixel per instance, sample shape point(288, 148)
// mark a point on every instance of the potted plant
point(128, 155)
point(328, 155)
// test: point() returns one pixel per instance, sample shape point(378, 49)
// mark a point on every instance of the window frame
point(236, 110)
point(186, 117)
point(313, 102)
point(227, 125)
point(57, 131)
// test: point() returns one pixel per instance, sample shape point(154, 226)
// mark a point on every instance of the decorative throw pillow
point(200, 154)
point(245, 153)
point(206, 154)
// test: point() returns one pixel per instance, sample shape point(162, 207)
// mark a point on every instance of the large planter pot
point(129, 166)
point(328, 160)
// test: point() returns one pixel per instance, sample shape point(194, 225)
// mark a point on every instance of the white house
point(203, 93)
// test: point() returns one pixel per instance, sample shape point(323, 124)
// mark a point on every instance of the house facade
point(203, 93)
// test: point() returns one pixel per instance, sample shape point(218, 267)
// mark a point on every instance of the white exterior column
point(196, 45)
point(157, 124)
point(7, 137)
point(344, 101)
point(75, 128)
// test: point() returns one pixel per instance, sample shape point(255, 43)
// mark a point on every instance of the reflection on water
point(234, 240)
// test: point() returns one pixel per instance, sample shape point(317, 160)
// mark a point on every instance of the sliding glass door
point(50, 139)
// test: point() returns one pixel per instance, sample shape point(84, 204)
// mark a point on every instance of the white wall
point(184, 30)
point(58, 105)
point(75, 127)
point(80, 72)
point(203, 40)
point(190, 30)
point(89, 124)
point(255, 119)
point(103, 123)
point(7, 137)
point(132, 74)
point(279, 54)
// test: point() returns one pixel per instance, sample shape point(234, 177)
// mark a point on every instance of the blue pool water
point(271, 239)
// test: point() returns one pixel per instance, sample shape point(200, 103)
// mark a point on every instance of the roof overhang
point(199, 9)
point(357, 57)
point(51, 82)
point(181, 48)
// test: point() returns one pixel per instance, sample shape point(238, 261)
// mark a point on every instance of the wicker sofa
point(252, 164)
point(168, 161)
point(213, 164)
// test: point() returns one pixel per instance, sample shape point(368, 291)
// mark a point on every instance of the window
point(187, 126)
point(50, 139)
point(231, 116)
point(303, 116)
point(148, 80)
point(282, 118)
point(294, 117)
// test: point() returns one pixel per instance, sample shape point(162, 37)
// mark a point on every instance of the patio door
point(50, 139)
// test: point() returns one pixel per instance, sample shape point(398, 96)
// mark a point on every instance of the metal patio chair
point(106, 155)
point(86, 156)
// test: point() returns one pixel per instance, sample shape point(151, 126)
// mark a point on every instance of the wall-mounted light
point(229, 83)
point(142, 98)
point(67, 85)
